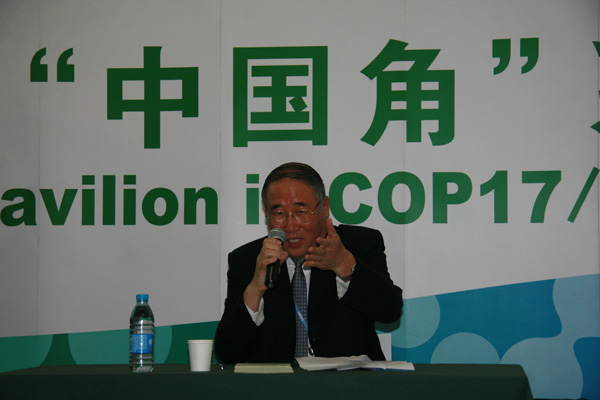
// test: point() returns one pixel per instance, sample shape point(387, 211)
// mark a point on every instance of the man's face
point(289, 195)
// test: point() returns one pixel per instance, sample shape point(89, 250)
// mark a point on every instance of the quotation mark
point(596, 126)
point(65, 72)
point(530, 48)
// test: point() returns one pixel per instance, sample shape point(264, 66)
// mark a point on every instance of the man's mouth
point(294, 241)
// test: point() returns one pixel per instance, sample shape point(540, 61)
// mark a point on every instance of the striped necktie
point(300, 297)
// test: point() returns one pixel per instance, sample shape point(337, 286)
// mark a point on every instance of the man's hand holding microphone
point(267, 269)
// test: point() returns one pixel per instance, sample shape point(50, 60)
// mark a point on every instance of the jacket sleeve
point(236, 334)
point(371, 291)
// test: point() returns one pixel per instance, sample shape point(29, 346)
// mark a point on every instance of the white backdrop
point(81, 276)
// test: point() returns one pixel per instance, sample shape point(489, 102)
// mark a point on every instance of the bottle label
point(142, 343)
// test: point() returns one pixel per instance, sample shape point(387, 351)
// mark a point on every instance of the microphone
point(273, 269)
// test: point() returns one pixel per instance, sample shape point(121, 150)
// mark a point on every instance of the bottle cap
point(141, 298)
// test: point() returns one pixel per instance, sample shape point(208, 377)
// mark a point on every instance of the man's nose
point(290, 223)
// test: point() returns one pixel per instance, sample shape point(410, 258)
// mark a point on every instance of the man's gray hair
point(297, 171)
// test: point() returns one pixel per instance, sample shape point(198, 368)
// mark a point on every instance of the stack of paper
point(266, 368)
point(353, 362)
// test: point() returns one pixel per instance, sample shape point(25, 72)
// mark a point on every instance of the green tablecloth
point(175, 381)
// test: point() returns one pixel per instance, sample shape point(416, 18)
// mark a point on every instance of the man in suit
point(341, 270)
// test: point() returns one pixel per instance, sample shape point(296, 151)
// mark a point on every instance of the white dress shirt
point(258, 317)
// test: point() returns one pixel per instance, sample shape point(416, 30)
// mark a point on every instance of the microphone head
point(277, 234)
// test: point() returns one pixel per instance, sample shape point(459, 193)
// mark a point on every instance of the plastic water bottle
point(141, 336)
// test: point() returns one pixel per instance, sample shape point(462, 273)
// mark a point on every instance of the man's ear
point(326, 205)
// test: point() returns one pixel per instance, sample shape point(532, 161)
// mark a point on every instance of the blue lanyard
point(310, 349)
point(301, 316)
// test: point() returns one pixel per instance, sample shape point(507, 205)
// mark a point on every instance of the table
point(175, 381)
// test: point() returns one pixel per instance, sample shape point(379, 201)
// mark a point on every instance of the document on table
point(352, 362)
point(263, 368)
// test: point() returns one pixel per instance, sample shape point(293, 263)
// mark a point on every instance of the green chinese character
point(416, 90)
point(279, 94)
point(152, 104)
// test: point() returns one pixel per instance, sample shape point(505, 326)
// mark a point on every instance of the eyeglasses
point(301, 216)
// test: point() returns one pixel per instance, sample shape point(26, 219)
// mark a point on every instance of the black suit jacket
point(337, 327)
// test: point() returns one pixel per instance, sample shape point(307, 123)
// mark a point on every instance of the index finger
point(331, 232)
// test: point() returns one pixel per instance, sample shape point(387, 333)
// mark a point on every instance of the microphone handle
point(272, 274)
